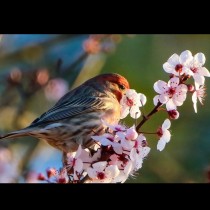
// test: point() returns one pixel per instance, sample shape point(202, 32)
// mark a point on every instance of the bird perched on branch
point(77, 115)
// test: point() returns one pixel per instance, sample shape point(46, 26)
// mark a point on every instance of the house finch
point(77, 115)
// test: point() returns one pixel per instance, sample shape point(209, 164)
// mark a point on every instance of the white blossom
point(197, 70)
point(177, 65)
point(101, 173)
point(131, 102)
point(172, 93)
point(164, 135)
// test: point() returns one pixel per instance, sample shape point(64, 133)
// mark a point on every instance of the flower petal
point(131, 93)
point(133, 154)
point(112, 171)
point(156, 100)
point(173, 60)
point(170, 105)
point(124, 112)
point(143, 99)
point(78, 165)
point(185, 57)
point(178, 100)
point(138, 163)
point(199, 79)
point(166, 124)
point(91, 173)
point(145, 151)
point(99, 166)
point(121, 178)
point(102, 139)
point(121, 135)
point(163, 98)
point(135, 112)
point(127, 145)
point(174, 82)
point(204, 72)
point(194, 100)
point(166, 136)
point(128, 168)
point(131, 133)
point(169, 68)
point(161, 145)
point(160, 86)
point(117, 148)
point(200, 59)
point(141, 137)
point(182, 89)
point(187, 70)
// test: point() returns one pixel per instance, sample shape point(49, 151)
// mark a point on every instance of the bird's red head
point(114, 83)
point(121, 81)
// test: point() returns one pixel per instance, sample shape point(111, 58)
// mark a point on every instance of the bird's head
point(113, 83)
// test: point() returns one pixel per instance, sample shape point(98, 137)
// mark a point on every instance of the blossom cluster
point(181, 68)
point(120, 151)
point(174, 92)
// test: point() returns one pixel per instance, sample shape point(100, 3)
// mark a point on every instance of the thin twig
point(145, 118)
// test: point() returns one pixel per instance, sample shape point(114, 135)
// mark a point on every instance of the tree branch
point(145, 118)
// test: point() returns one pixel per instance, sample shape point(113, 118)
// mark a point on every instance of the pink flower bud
point(51, 172)
point(173, 114)
point(191, 88)
point(160, 132)
point(61, 180)
point(131, 134)
point(41, 177)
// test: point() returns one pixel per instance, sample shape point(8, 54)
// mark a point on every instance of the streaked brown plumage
point(77, 115)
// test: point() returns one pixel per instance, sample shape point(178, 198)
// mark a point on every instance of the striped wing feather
point(70, 105)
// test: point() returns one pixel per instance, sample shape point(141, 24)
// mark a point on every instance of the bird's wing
point(71, 104)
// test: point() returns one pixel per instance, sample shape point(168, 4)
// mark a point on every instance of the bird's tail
point(14, 134)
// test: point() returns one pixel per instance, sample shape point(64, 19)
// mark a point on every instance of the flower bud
point(41, 177)
point(173, 114)
point(51, 172)
point(131, 134)
point(160, 132)
point(191, 88)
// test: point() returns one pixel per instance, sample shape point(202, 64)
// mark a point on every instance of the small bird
point(77, 115)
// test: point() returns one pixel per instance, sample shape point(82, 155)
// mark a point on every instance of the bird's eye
point(122, 87)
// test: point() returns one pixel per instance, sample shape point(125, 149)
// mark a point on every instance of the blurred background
point(36, 70)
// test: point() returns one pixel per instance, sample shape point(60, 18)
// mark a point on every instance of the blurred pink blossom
point(55, 89)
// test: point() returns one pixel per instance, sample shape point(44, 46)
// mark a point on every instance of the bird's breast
point(112, 112)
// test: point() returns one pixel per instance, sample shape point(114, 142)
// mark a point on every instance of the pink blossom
point(62, 176)
point(55, 89)
point(131, 102)
point(172, 93)
point(138, 152)
point(197, 70)
point(177, 64)
point(124, 174)
point(131, 133)
point(75, 162)
point(101, 173)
